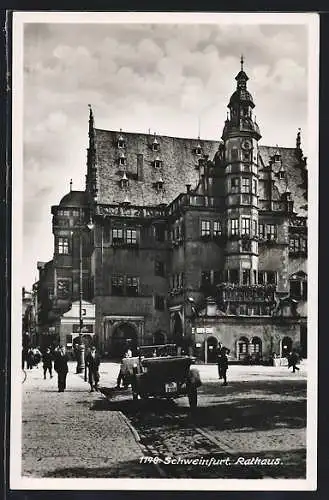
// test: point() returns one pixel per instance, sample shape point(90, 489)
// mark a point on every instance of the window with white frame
point(234, 227)
point(63, 246)
point(131, 236)
point(294, 246)
point(132, 283)
point(205, 228)
point(117, 282)
point(217, 228)
point(245, 185)
point(117, 236)
point(245, 226)
point(261, 231)
point(124, 236)
point(271, 232)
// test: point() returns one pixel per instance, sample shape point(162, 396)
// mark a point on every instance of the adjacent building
point(186, 240)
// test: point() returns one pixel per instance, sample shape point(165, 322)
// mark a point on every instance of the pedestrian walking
point(121, 376)
point(30, 359)
point(293, 359)
point(61, 368)
point(92, 363)
point(47, 360)
point(219, 351)
point(223, 363)
point(37, 356)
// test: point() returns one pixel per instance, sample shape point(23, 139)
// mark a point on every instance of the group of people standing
point(57, 359)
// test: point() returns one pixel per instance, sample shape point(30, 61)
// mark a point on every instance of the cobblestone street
point(262, 412)
point(71, 434)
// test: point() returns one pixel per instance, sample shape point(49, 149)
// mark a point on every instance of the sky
point(173, 79)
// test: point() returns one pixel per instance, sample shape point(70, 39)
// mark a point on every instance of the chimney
point(188, 188)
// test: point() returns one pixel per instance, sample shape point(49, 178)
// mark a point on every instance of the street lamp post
point(81, 347)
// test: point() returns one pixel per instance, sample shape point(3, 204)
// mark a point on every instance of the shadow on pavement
point(129, 469)
point(244, 407)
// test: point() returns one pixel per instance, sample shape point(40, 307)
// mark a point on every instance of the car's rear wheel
point(193, 397)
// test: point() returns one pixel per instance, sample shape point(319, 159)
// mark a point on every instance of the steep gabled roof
point(178, 167)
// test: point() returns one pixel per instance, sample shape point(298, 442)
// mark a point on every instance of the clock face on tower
point(246, 144)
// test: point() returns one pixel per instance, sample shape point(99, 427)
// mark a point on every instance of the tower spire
point(241, 61)
point(91, 117)
point(298, 139)
point(71, 184)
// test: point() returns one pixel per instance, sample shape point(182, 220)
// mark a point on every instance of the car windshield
point(156, 351)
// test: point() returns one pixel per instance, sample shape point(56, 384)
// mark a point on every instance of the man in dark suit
point(61, 368)
point(47, 360)
point(92, 363)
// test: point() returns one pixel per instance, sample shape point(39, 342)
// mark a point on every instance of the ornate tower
point(241, 135)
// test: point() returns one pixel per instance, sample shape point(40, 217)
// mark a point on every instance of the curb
point(131, 427)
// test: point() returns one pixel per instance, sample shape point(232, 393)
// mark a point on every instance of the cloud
point(165, 77)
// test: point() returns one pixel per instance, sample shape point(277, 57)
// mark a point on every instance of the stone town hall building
point(192, 239)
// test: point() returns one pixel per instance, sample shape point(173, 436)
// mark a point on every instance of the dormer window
point(159, 184)
point(122, 159)
point(124, 181)
point(277, 155)
point(121, 142)
point(155, 144)
point(157, 162)
point(198, 149)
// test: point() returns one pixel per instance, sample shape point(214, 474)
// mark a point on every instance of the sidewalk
point(74, 434)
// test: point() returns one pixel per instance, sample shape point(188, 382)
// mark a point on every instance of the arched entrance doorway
point(242, 348)
point(286, 346)
point(124, 336)
point(212, 344)
point(178, 330)
point(159, 337)
point(255, 349)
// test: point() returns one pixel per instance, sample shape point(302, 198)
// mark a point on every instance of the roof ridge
point(144, 134)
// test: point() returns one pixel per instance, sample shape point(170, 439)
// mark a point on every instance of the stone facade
point(176, 221)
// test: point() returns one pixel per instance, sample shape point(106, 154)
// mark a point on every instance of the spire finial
point(298, 139)
point(91, 118)
point(241, 61)
point(71, 184)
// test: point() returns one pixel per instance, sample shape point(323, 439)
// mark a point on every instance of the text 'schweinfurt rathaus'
point(190, 238)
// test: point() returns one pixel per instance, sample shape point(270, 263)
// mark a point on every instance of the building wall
point(271, 332)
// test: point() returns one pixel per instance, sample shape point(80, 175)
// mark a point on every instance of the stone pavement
point(209, 373)
point(73, 434)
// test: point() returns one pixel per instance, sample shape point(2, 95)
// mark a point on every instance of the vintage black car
point(160, 371)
